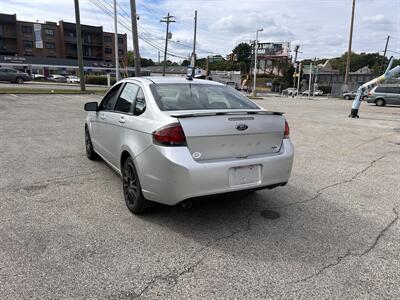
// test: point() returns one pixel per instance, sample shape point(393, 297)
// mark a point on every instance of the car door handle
point(122, 120)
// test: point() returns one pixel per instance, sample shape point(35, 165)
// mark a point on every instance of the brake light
point(287, 131)
point(170, 135)
point(369, 94)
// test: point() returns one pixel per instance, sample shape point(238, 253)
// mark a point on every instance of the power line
point(100, 4)
point(107, 11)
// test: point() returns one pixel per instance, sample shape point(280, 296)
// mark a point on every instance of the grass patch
point(50, 91)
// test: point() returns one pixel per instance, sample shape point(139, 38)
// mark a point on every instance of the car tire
point(380, 102)
point(347, 97)
point(90, 153)
point(132, 189)
point(19, 80)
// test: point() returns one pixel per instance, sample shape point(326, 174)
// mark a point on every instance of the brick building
point(58, 41)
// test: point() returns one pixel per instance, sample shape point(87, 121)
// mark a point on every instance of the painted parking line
point(15, 96)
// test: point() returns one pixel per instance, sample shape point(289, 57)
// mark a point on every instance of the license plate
point(242, 176)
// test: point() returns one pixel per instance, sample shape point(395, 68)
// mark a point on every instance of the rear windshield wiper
point(206, 114)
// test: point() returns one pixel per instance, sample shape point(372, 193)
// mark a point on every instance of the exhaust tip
point(187, 204)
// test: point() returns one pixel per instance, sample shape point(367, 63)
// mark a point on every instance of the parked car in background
point(352, 95)
point(165, 137)
point(73, 79)
point(56, 78)
point(14, 76)
point(318, 93)
point(309, 93)
point(289, 92)
point(382, 95)
point(38, 77)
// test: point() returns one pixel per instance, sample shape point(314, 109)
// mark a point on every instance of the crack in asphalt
point(174, 276)
point(319, 192)
point(381, 234)
point(349, 252)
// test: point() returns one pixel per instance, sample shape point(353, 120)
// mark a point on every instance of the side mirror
point(91, 106)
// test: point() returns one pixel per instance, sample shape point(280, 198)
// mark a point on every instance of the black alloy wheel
point(89, 146)
point(133, 195)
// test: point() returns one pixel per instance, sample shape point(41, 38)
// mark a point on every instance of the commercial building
point(331, 81)
point(53, 44)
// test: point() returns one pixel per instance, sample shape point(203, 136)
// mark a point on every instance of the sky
point(320, 27)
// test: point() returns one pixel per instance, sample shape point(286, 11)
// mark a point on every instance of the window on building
point(120, 52)
point(49, 32)
point(27, 44)
point(120, 40)
point(27, 29)
point(107, 50)
point(107, 39)
point(1, 30)
point(50, 46)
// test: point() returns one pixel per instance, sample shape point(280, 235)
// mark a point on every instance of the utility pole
point(135, 38)
point(346, 76)
point(296, 50)
point(168, 19)
point(384, 54)
point(116, 42)
point(79, 46)
point(298, 81)
point(315, 75)
point(309, 80)
point(193, 62)
point(255, 62)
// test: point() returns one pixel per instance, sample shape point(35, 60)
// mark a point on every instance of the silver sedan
point(173, 139)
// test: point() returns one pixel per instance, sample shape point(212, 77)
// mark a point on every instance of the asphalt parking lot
point(332, 232)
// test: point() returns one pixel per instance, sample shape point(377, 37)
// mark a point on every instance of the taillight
point(369, 94)
point(287, 130)
point(170, 135)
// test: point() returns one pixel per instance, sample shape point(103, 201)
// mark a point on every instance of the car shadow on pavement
point(267, 226)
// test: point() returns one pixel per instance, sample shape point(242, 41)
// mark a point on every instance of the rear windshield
point(198, 96)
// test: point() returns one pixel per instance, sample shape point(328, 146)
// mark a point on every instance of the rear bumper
point(170, 175)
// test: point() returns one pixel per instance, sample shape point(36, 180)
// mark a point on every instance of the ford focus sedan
point(172, 139)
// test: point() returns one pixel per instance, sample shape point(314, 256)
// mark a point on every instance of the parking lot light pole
point(255, 62)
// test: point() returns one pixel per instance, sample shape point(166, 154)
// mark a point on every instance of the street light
point(255, 62)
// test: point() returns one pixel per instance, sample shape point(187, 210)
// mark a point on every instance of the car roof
point(165, 80)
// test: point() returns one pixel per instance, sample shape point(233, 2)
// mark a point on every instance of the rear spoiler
point(221, 113)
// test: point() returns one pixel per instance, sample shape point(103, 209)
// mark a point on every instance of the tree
point(185, 63)
point(144, 62)
point(243, 52)
point(243, 55)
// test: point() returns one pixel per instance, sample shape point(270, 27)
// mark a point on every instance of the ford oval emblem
point(241, 127)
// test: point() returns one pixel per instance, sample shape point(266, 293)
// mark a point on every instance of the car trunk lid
point(227, 135)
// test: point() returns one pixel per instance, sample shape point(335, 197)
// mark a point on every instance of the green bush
point(98, 79)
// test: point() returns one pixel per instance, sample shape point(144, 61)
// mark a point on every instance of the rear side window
point(140, 103)
point(109, 100)
point(381, 89)
point(125, 100)
point(189, 96)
